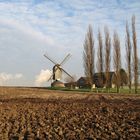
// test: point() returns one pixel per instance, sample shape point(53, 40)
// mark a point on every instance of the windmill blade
point(65, 59)
point(49, 59)
point(50, 77)
point(66, 73)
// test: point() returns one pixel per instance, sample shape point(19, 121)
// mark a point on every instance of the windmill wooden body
point(57, 72)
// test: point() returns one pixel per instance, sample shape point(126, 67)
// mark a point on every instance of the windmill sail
point(49, 59)
point(67, 73)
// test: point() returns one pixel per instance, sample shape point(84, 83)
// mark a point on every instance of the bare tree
point(128, 56)
point(138, 69)
point(117, 59)
point(100, 61)
point(70, 80)
point(107, 56)
point(123, 77)
point(134, 37)
point(88, 55)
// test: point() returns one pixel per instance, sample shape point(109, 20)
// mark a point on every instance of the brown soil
point(33, 113)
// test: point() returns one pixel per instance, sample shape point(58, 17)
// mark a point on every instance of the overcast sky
point(31, 28)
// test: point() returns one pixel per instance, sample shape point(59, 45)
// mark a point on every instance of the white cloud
point(18, 76)
point(42, 77)
point(26, 29)
point(6, 77)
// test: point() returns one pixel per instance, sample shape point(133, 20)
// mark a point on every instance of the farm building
point(71, 84)
point(99, 79)
point(83, 82)
point(112, 79)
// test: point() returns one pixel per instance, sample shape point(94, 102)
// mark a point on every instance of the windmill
point(57, 71)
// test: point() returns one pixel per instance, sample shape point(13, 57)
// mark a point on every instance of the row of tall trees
point(104, 55)
point(89, 55)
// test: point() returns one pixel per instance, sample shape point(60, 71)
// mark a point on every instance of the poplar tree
point(107, 56)
point(117, 59)
point(100, 61)
point(88, 55)
point(135, 67)
point(128, 56)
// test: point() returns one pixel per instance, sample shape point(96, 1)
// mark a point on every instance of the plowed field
point(41, 114)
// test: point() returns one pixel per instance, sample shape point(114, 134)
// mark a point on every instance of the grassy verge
point(97, 90)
